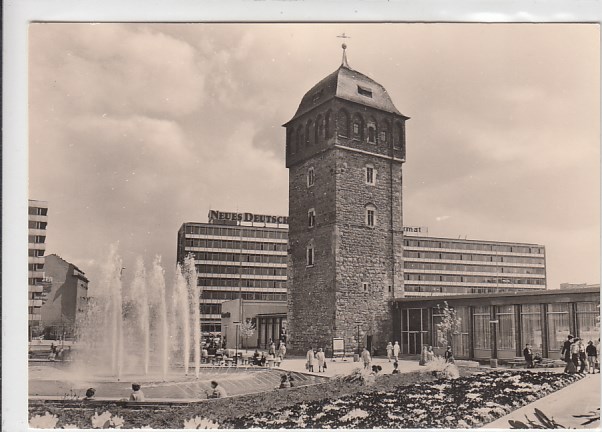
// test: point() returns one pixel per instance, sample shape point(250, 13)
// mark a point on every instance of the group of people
point(579, 357)
point(57, 353)
point(260, 359)
point(137, 395)
point(286, 381)
point(315, 358)
point(393, 351)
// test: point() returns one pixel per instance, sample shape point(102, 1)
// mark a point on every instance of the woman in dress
point(389, 351)
point(321, 359)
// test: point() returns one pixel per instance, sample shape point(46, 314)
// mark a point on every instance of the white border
point(17, 15)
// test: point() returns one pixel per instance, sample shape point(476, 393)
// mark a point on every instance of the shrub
point(442, 369)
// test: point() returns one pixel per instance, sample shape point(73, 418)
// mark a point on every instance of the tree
point(247, 329)
point(449, 325)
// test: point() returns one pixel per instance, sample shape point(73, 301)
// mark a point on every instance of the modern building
point(345, 147)
point(67, 298)
point(567, 285)
point(38, 221)
point(237, 255)
point(497, 326)
point(444, 266)
point(260, 322)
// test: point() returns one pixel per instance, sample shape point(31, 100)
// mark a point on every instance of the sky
point(135, 129)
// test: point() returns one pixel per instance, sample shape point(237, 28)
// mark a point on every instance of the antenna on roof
point(344, 46)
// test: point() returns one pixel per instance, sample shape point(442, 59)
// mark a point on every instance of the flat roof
point(528, 294)
point(209, 224)
point(455, 240)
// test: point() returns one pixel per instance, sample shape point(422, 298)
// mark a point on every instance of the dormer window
point(364, 91)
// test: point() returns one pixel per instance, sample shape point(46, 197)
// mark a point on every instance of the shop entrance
point(414, 330)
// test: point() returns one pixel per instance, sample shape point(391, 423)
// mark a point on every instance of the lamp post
point(358, 324)
point(237, 324)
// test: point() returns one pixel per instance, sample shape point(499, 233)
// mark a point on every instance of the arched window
point(343, 124)
point(319, 129)
point(372, 130)
point(358, 127)
point(309, 136)
point(309, 254)
point(384, 135)
point(311, 218)
point(327, 126)
point(310, 177)
point(370, 174)
point(370, 215)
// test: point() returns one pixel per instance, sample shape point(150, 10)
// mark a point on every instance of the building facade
point(235, 258)
point(38, 221)
point(345, 147)
point(67, 298)
point(499, 325)
point(444, 266)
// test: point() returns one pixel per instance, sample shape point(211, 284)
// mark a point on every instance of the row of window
point(37, 239)
point(472, 279)
point(246, 232)
point(471, 257)
point(36, 253)
point(234, 295)
point(38, 211)
point(433, 244)
point(244, 282)
point(472, 268)
point(259, 271)
point(36, 267)
point(347, 126)
point(236, 244)
point(234, 257)
point(369, 175)
point(460, 290)
point(37, 225)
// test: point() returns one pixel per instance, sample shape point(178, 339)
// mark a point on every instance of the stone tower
point(345, 147)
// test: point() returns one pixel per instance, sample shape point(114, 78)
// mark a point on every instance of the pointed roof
point(349, 84)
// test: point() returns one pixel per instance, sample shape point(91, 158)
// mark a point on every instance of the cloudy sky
point(137, 128)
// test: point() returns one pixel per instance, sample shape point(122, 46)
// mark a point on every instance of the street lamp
point(237, 324)
point(358, 324)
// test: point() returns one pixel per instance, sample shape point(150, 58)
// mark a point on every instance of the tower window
point(383, 136)
point(370, 175)
point(365, 286)
point(310, 255)
point(311, 218)
point(371, 134)
point(370, 215)
point(310, 177)
point(364, 91)
point(356, 128)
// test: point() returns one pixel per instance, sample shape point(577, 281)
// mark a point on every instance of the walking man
point(367, 359)
point(396, 350)
point(310, 360)
point(566, 352)
point(592, 357)
point(389, 351)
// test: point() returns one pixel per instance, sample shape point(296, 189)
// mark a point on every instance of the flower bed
point(395, 401)
point(461, 403)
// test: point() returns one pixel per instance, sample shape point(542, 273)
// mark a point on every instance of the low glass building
point(497, 326)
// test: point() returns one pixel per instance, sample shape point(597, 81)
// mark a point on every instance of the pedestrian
point(575, 353)
point(282, 350)
point(272, 350)
point(423, 355)
point(582, 355)
point(395, 366)
point(592, 357)
point(528, 354)
point(598, 351)
point(90, 393)
point(566, 352)
point(449, 355)
point(389, 351)
point(290, 378)
point(367, 359)
point(396, 349)
point(309, 365)
point(136, 395)
point(321, 358)
point(217, 392)
point(430, 355)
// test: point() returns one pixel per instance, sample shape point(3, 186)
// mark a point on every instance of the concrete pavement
point(576, 399)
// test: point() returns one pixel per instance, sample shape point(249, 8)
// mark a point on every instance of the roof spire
point(344, 46)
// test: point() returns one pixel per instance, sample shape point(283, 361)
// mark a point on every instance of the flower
point(47, 421)
point(102, 421)
point(354, 414)
point(199, 422)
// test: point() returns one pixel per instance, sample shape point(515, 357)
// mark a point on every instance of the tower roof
point(349, 84)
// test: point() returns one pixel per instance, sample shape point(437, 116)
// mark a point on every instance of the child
point(137, 395)
point(395, 366)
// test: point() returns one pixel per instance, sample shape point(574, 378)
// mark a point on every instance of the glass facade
point(506, 334)
point(558, 325)
point(531, 327)
point(588, 321)
point(482, 327)
point(414, 330)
